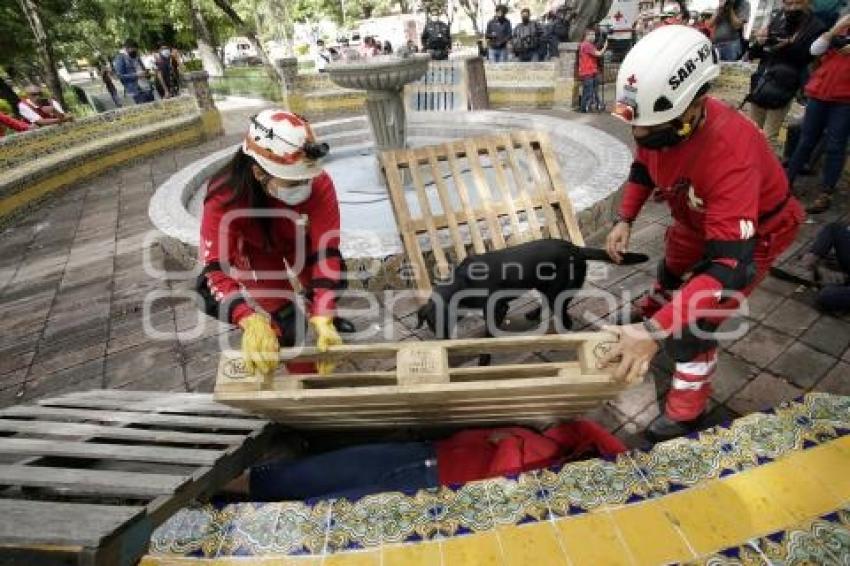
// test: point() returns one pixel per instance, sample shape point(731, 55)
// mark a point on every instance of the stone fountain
point(383, 79)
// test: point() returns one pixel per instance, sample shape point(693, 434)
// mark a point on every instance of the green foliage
point(193, 65)
point(247, 81)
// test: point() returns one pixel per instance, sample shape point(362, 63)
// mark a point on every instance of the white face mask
point(293, 194)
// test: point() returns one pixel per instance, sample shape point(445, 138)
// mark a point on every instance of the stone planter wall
point(36, 163)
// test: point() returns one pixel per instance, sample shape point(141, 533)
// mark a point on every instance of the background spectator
point(527, 38)
point(8, 121)
point(167, 67)
point(37, 109)
point(834, 294)
point(436, 37)
point(388, 48)
point(728, 24)
point(133, 74)
point(588, 71)
point(105, 71)
point(827, 11)
point(497, 34)
point(783, 47)
point(321, 56)
point(702, 23)
point(827, 111)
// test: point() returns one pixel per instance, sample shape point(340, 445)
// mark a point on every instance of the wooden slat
point(523, 343)
point(438, 421)
point(92, 482)
point(403, 220)
point(506, 389)
point(164, 420)
point(466, 205)
point(60, 429)
point(448, 206)
point(341, 406)
point(67, 449)
point(541, 190)
point(303, 416)
point(428, 217)
point(560, 188)
point(463, 216)
point(522, 187)
point(48, 523)
point(483, 190)
point(147, 401)
point(502, 185)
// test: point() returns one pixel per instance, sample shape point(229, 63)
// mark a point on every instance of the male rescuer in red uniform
point(733, 214)
point(271, 210)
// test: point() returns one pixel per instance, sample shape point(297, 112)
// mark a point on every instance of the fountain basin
point(378, 73)
point(594, 165)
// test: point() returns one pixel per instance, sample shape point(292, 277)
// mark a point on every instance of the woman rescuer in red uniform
point(270, 211)
point(733, 213)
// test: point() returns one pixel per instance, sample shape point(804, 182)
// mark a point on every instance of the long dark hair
point(238, 176)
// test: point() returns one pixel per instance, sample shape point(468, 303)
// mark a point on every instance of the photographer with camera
point(270, 206)
point(827, 112)
point(783, 49)
point(728, 23)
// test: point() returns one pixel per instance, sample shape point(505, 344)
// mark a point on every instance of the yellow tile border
point(682, 526)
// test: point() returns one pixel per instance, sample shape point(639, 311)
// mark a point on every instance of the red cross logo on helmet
point(631, 80)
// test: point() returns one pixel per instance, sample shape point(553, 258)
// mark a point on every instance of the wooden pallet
point(87, 477)
point(426, 388)
point(527, 200)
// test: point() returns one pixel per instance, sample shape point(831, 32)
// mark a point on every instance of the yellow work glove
point(260, 348)
point(326, 336)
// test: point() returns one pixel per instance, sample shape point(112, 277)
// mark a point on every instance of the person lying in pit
point(465, 456)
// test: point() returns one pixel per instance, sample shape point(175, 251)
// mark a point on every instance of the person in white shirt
point(322, 56)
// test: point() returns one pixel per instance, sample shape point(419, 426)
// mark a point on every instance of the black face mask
point(668, 136)
point(132, 53)
point(526, 20)
point(794, 17)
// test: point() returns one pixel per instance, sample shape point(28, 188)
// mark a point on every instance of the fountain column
point(387, 117)
point(383, 79)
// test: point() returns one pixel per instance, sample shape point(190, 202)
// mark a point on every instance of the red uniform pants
point(696, 356)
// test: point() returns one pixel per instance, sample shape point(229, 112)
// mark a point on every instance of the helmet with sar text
point(283, 144)
point(663, 74)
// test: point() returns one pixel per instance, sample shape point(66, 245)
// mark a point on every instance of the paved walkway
point(73, 282)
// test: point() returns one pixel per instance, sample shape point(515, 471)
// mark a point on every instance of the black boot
point(663, 428)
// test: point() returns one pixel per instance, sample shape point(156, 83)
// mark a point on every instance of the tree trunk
point(209, 58)
point(44, 48)
point(274, 73)
point(470, 8)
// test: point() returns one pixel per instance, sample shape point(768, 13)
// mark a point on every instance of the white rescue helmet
point(661, 75)
point(284, 145)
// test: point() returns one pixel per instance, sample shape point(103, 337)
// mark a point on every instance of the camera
point(315, 150)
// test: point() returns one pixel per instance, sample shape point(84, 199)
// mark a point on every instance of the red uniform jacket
point(831, 80)
point(484, 453)
point(12, 123)
point(724, 185)
point(239, 258)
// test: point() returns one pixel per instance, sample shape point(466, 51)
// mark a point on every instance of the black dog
point(550, 266)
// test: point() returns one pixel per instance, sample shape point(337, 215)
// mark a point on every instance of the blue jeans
point(729, 50)
point(498, 54)
point(589, 94)
point(349, 473)
point(831, 120)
